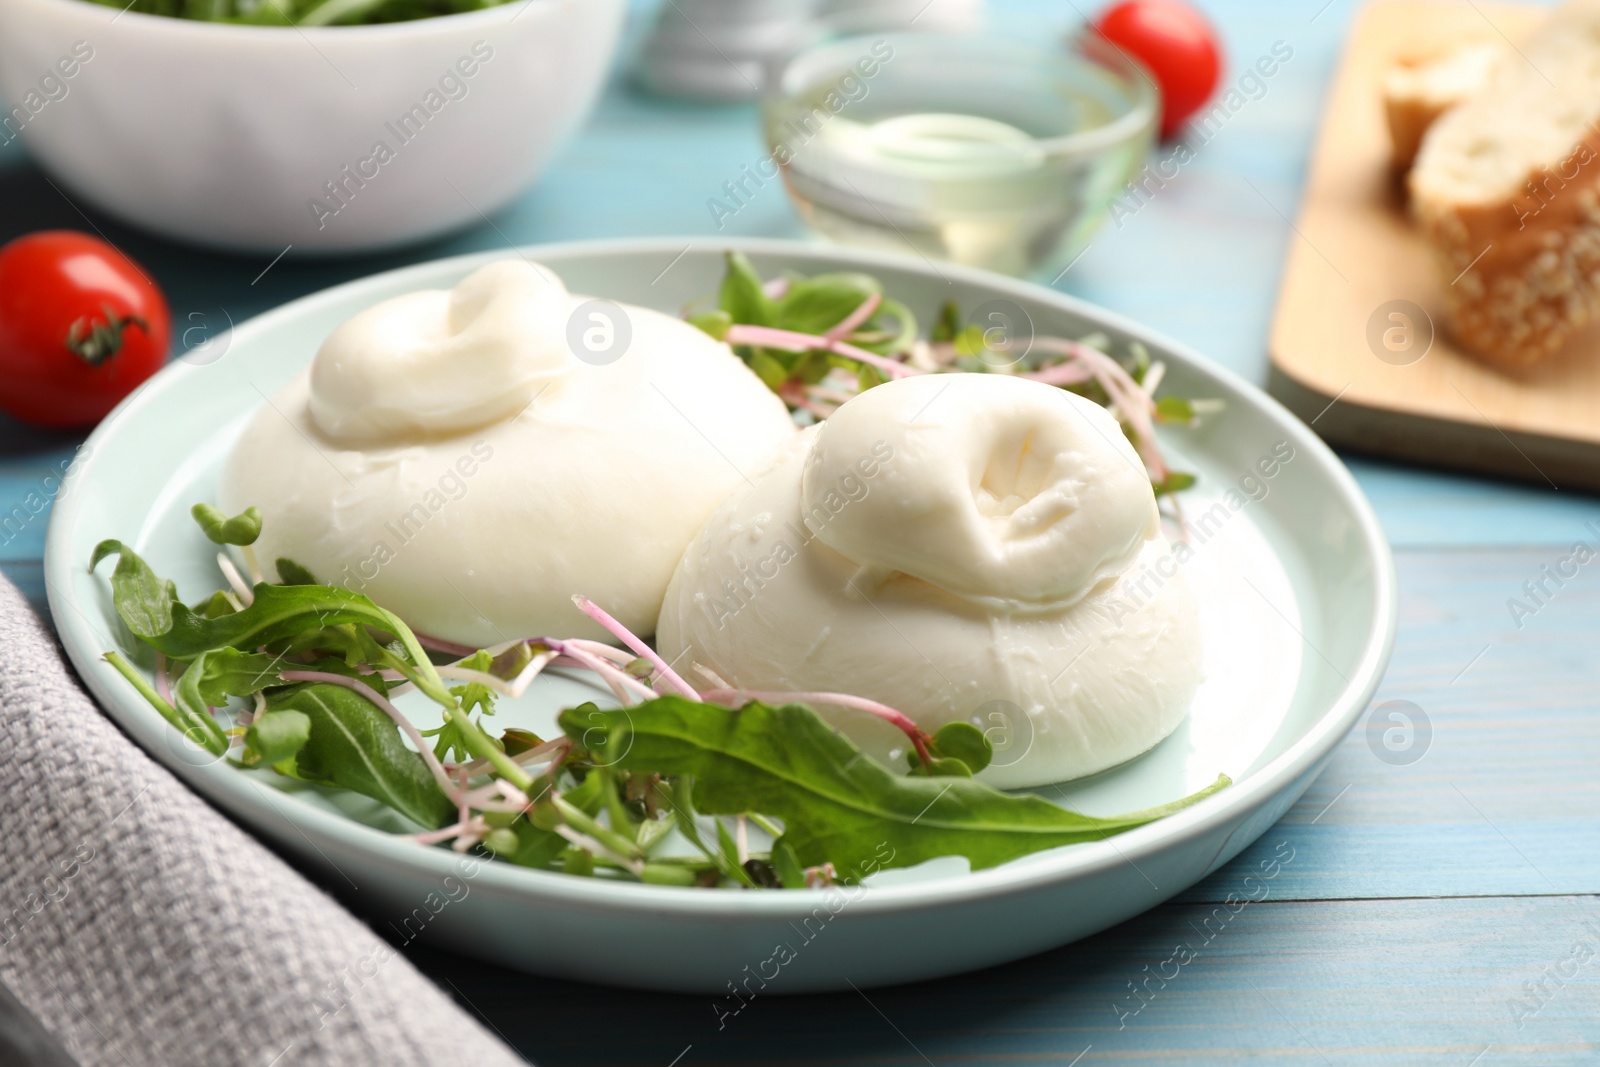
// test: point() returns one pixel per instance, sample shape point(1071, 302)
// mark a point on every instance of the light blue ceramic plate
point(1295, 575)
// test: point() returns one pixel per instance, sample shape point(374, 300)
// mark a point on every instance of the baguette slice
point(1506, 188)
point(1420, 88)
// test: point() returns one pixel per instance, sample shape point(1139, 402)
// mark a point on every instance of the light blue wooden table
point(1436, 913)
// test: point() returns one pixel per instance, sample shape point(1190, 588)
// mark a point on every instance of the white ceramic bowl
point(231, 135)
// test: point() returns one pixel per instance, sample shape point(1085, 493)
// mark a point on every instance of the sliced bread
point(1419, 88)
point(1506, 188)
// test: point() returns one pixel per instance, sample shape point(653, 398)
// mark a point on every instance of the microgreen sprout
point(819, 341)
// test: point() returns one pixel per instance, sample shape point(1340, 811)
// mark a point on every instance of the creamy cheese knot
point(449, 456)
point(444, 361)
point(1011, 492)
point(963, 547)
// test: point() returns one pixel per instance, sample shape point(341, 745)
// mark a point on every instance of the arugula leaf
point(787, 866)
point(278, 735)
point(352, 744)
point(214, 606)
point(216, 675)
point(836, 804)
point(242, 529)
point(285, 612)
point(144, 601)
point(220, 673)
point(291, 573)
point(742, 296)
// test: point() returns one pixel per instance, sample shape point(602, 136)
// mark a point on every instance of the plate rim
point(1302, 759)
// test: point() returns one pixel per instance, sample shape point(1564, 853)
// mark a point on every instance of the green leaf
point(291, 573)
point(730, 856)
point(352, 744)
point(278, 735)
point(814, 366)
point(742, 296)
point(787, 866)
point(768, 369)
point(214, 606)
point(501, 841)
point(965, 742)
point(715, 322)
point(540, 847)
point(144, 601)
point(216, 675)
point(949, 767)
point(836, 804)
point(535, 847)
point(242, 529)
point(223, 672)
point(1176, 482)
point(517, 741)
point(948, 324)
point(868, 376)
point(278, 613)
point(817, 304)
point(969, 341)
point(681, 796)
point(1174, 409)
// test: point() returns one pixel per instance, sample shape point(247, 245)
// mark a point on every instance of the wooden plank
point(1355, 253)
point(1271, 983)
point(1425, 509)
point(1502, 798)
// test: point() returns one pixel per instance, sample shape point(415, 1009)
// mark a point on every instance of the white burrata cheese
point(970, 547)
point(449, 454)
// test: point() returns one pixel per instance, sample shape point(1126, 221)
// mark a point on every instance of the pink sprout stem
point(1068, 373)
point(899, 719)
point(1128, 399)
point(163, 683)
point(769, 337)
point(467, 829)
point(855, 318)
point(622, 683)
point(629, 638)
point(389, 709)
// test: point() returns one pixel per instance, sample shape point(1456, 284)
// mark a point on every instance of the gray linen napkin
point(142, 927)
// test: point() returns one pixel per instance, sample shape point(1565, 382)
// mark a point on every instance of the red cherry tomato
point(1178, 46)
point(81, 325)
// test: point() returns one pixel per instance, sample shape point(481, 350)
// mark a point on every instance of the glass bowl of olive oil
point(984, 151)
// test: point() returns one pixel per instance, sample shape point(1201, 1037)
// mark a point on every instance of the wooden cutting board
point(1355, 263)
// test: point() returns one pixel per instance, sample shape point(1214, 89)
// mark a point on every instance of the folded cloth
point(142, 927)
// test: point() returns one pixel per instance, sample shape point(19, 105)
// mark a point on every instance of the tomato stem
point(94, 342)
